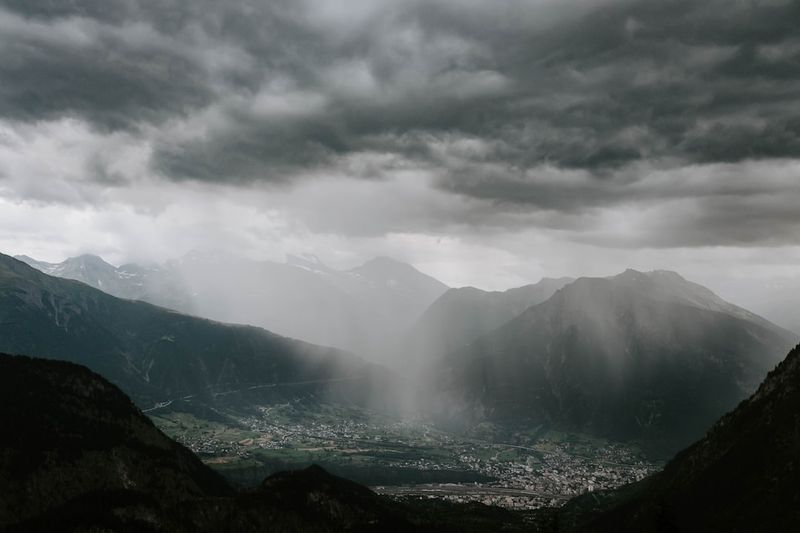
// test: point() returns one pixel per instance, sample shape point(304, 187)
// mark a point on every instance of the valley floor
point(408, 459)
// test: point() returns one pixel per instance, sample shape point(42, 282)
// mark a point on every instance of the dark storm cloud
point(114, 77)
point(552, 106)
point(727, 221)
point(584, 89)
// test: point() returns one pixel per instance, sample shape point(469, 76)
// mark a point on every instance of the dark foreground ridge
point(744, 475)
point(77, 455)
point(75, 448)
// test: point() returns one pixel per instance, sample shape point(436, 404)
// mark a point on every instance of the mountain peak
point(621, 357)
point(88, 260)
point(634, 274)
point(383, 265)
point(27, 259)
point(17, 265)
point(88, 257)
point(305, 258)
point(308, 262)
point(387, 266)
point(42, 266)
point(664, 286)
point(397, 275)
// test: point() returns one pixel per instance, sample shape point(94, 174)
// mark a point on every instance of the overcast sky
point(489, 143)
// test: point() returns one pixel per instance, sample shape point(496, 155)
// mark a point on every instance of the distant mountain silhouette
point(358, 309)
point(461, 315)
point(636, 356)
point(158, 355)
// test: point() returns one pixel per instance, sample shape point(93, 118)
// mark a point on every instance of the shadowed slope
point(68, 434)
point(158, 355)
point(635, 356)
point(462, 315)
point(744, 475)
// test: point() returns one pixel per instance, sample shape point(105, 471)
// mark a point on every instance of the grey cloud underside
point(586, 94)
point(82, 67)
point(593, 89)
point(487, 98)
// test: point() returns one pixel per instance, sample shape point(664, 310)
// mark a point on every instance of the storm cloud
point(614, 124)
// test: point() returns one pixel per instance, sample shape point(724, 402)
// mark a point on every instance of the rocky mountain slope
point(356, 310)
point(636, 356)
point(158, 355)
point(461, 315)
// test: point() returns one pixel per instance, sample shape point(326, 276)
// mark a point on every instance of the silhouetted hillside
point(70, 438)
point(744, 475)
point(77, 455)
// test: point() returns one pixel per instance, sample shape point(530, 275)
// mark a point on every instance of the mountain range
point(461, 315)
point(157, 355)
point(635, 356)
point(357, 310)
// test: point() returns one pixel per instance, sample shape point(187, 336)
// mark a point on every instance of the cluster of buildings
point(523, 475)
point(532, 478)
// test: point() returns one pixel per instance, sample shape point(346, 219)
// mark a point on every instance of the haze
point(488, 144)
